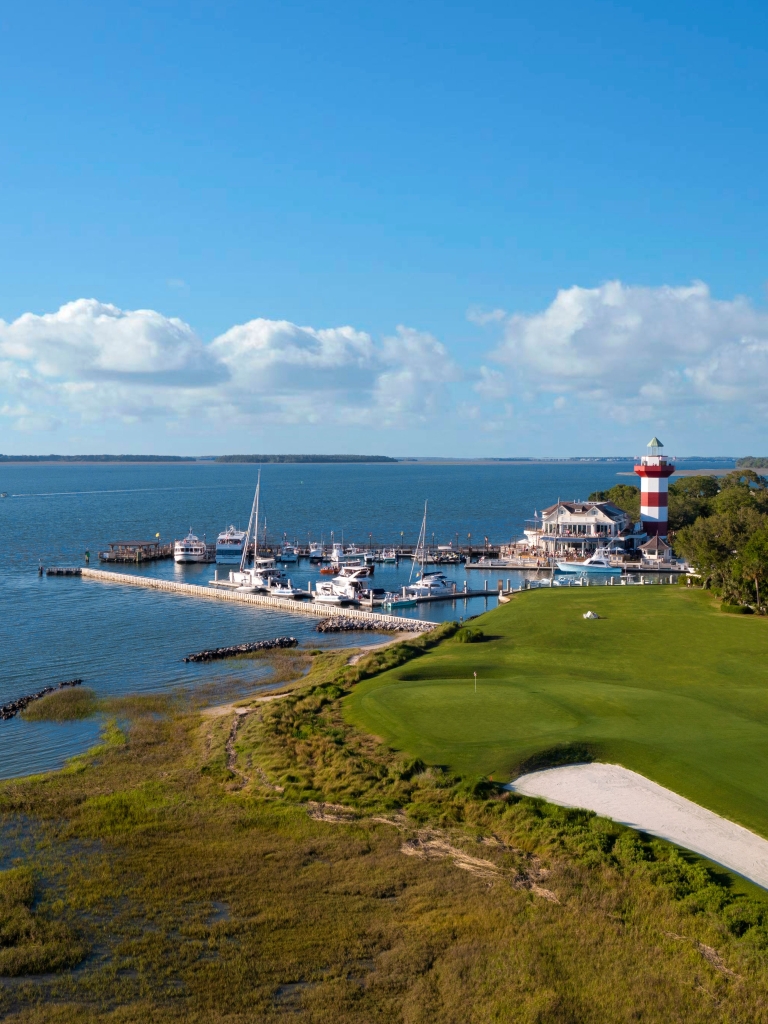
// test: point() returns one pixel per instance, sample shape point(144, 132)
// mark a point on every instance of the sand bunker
point(629, 798)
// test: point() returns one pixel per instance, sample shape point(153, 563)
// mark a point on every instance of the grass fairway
point(663, 683)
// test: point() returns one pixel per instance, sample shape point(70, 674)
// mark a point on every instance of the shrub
point(467, 635)
point(736, 609)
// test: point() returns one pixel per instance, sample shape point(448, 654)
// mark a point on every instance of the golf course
point(663, 682)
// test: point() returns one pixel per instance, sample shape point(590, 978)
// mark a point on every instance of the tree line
point(719, 525)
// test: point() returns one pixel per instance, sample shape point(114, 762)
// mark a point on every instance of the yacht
point(262, 576)
point(431, 584)
point(597, 563)
point(191, 549)
point(337, 553)
point(229, 545)
point(289, 553)
point(315, 552)
point(326, 593)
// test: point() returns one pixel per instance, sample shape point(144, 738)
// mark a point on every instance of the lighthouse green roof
point(655, 443)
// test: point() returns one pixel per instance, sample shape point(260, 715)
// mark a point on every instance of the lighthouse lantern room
point(654, 471)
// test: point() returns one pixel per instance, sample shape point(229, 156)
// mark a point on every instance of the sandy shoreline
point(617, 793)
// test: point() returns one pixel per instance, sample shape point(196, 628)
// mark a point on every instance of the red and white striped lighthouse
point(654, 472)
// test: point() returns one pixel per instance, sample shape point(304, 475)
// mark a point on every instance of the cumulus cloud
point(90, 340)
point(636, 351)
point(92, 360)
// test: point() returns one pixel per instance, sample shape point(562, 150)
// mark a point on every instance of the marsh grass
point(223, 897)
point(63, 705)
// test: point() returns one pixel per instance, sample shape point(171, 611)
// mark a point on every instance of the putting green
point(663, 683)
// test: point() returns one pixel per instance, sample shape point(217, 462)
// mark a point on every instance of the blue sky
point(419, 228)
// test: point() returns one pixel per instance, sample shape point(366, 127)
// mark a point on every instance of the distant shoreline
point(708, 465)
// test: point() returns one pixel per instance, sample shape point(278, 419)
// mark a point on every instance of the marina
point(132, 639)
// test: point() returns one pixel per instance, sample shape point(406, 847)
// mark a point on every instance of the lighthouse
point(654, 472)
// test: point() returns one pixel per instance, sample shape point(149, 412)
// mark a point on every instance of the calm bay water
point(125, 640)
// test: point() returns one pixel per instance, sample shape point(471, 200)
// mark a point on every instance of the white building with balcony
point(579, 527)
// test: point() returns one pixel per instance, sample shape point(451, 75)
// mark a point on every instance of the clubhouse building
point(579, 527)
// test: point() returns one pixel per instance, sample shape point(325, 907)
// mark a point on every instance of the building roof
point(655, 443)
point(585, 507)
point(655, 546)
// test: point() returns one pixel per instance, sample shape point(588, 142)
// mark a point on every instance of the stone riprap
point(13, 707)
point(231, 652)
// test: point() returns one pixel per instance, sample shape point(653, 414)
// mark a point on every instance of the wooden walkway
point(322, 611)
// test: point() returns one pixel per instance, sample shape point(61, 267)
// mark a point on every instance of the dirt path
point(625, 796)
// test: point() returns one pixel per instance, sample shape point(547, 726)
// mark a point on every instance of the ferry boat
point(229, 545)
point(597, 563)
point(191, 549)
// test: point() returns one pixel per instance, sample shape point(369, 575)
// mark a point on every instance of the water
point(126, 639)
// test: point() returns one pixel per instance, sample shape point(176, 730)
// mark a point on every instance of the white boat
point(326, 593)
point(315, 552)
point(259, 577)
point(355, 570)
point(289, 553)
point(337, 553)
point(191, 549)
point(597, 563)
point(427, 584)
point(431, 584)
point(229, 545)
point(389, 555)
point(285, 589)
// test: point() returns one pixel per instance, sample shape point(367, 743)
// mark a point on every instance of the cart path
point(631, 799)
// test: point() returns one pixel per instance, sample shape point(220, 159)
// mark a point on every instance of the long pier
point(321, 611)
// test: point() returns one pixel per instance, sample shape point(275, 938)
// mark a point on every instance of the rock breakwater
point(12, 708)
point(231, 652)
point(340, 624)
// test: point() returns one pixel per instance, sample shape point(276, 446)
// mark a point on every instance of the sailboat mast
point(254, 516)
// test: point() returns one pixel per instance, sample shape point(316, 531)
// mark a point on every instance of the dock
point(321, 611)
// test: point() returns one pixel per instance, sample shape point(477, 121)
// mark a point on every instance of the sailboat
point(263, 569)
point(428, 584)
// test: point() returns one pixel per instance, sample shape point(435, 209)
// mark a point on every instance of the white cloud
point(90, 340)
point(634, 352)
point(479, 315)
point(91, 361)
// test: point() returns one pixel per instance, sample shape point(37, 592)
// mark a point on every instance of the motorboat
point(260, 577)
point(355, 570)
point(229, 545)
point(596, 563)
point(399, 601)
point(285, 589)
point(326, 593)
point(431, 584)
point(315, 552)
point(373, 595)
point(337, 553)
point(289, 553)
point(190, 549)
point(389, 555)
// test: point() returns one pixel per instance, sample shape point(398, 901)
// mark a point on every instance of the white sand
point(629, 798)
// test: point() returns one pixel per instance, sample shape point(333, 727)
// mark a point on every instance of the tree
point(752, 564)
point(690, 498)
point(623, 496)
point(714, 544)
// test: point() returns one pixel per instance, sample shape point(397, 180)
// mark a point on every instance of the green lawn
point(663, 683)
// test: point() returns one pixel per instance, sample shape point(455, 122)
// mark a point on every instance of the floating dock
point(321, 611)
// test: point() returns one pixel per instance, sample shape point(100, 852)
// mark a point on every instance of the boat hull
point(580, 569)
